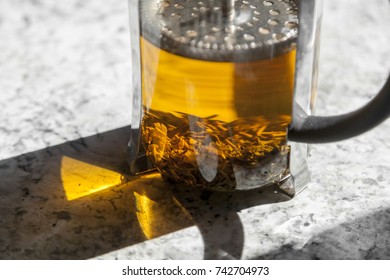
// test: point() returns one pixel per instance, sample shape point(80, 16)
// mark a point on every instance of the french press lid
point(215, 30)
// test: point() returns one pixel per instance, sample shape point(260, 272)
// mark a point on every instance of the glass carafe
point(223, 92)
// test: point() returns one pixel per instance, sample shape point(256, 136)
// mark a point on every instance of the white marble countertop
point(65, 110)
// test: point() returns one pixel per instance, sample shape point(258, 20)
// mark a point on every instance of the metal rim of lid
point(195, 29)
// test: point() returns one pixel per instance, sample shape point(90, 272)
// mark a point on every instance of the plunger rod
point(227, 8)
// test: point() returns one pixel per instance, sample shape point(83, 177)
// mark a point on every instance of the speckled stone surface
point(65, 110)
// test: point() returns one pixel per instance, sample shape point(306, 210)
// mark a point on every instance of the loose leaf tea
point(209, 153)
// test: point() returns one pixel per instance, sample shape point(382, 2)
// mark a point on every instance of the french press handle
point(323, 129)
point(320, 129)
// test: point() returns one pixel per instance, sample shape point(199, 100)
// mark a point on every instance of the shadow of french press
point(68, 201)
point(77, 201)
point(216, 214)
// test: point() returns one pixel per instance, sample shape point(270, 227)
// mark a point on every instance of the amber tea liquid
point(216, 124)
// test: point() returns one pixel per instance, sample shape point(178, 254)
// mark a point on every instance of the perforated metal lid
point(219, 30)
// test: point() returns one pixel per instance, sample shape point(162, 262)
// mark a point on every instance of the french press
point(223, 92)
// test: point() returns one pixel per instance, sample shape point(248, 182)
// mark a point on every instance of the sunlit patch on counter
point(81, 179)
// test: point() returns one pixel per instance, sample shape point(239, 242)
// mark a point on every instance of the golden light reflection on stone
point(81, 179)
point(159, 212)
